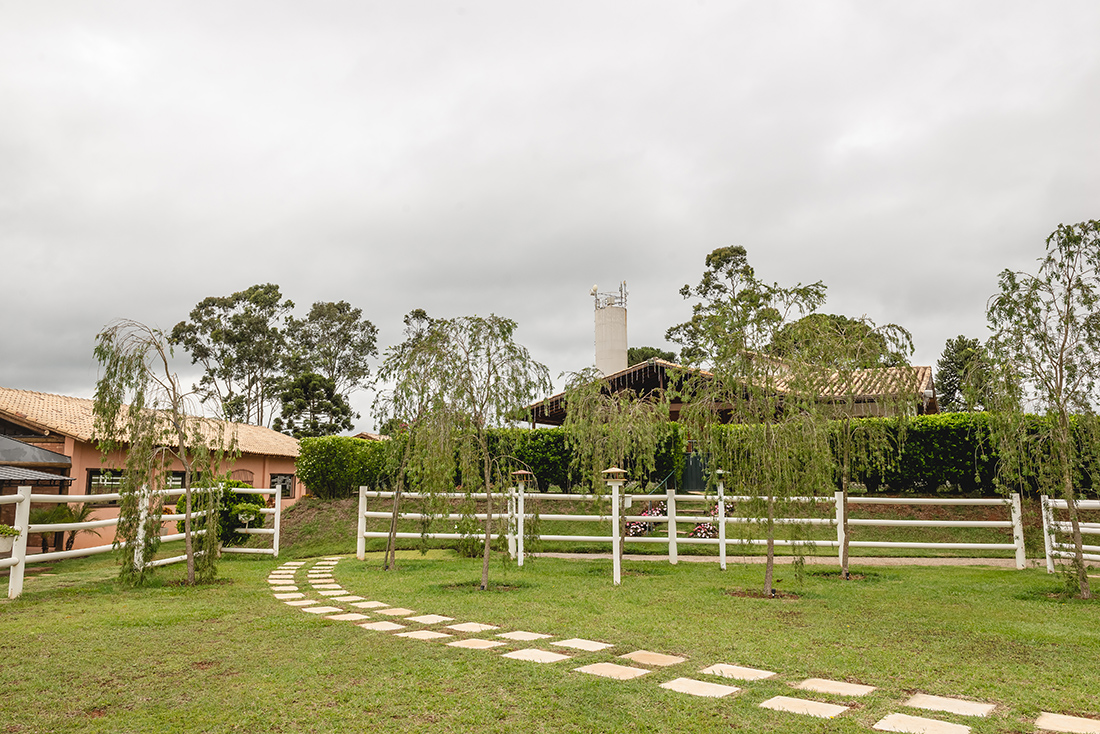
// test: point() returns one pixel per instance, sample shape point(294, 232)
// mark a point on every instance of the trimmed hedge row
point(946, 453)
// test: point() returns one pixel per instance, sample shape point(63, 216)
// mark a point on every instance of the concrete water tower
point(610, 330)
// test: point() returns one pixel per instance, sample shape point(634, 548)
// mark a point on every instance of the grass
point(82, 653)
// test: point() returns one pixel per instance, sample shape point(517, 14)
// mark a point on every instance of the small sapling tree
point(453, 380)
point(782, 451)
point(140, 408)
point(1045, 353)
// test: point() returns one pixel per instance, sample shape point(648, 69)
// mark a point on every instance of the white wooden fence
point(1052, 528)
point(516, 518)
point(23, 498)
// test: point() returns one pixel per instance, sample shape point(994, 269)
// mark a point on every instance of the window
point(284, 482)
point(108, 481)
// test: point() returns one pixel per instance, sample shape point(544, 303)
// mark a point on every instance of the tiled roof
point(73, 417)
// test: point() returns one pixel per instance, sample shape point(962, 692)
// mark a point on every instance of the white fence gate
point(1052, 528)
point(23, 499)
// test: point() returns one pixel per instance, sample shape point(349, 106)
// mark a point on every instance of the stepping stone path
point(285, 588)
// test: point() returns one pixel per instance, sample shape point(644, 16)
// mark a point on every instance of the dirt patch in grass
point(759, 594)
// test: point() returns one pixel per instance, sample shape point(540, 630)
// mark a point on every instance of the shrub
point(336, 466)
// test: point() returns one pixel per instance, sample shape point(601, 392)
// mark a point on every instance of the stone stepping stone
point(294, 563)
point(700, 688)
point(284, 588)
point(919, 725)
point(738, 672)
point(348, 617)
point(318, 576)
point(281, 581)
point(430, 619)
point(333, 558)
point(382, 626)
point(523, 636)
point(834, 687)
point(395, 611)
point(803, 706)
point(423, 635)
point(349, 597)
point(369, 604)
point(578, 644)
point(333, 592)
point(326, 586)
point(301, 603)
point(472, 627)
point(612, 670)
point(645, 657)
point(296, 595)
point(950, 705)
point(474, 643)
point(534, 655)
point(1061, 722)
point(322, 610)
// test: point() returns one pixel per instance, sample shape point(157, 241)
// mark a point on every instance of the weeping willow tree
point(140, 409)
point(1044, 356)
point(782, 451)
point(452, 380)
point(606, 428)
point(857, 369)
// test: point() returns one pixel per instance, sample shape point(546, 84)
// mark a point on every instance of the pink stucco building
point(63, 425)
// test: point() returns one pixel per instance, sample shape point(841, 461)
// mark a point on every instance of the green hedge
point(945, 453)
point(336, 466)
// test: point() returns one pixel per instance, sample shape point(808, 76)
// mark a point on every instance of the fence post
point(511, 522)
point(277, 493)
point(721, 521)
point(360, 540)
point(615, 478)
point(838, 497)
point(1018, 531)
point(520, 513)
point(1048, 531)
point(19, 548)
point(670, 510)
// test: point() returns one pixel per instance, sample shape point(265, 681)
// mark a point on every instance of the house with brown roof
point(57, 431)
point(876, 392)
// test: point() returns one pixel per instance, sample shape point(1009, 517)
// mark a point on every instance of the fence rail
point(517, 520)
point(23, 498)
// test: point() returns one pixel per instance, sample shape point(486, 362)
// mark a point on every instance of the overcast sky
point(503, 157)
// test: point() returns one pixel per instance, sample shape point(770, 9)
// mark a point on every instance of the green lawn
point(83, 654)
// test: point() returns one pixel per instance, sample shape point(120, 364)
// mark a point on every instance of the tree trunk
point(488, 521)
point(1070, 496)
point(845, 478)
point(389, 562)
point(769, 567)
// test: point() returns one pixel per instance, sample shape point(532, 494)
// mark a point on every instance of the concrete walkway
point(606, 659)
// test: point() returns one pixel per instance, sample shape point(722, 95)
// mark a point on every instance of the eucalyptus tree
point(334, 341)
point(240, 342)
point(453, 380)
point(140, 408)
point(1045, 350)
point(781, 450)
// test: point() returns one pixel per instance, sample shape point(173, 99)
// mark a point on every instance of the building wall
point(86, 457)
